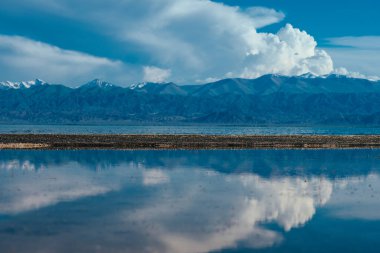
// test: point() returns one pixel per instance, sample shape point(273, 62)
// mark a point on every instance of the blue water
point(199, 129)
point(190, 201)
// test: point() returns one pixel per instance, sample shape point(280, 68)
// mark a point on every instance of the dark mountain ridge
point(269, 99)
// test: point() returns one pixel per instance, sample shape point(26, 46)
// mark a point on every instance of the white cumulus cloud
point(264, 16)
point(196, 39)
point(289, 52)
point(156, 75)
point(25, 59)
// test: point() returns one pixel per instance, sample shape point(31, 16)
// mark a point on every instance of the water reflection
point(178, 201)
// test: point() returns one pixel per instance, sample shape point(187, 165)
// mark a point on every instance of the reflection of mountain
point(330, 163)
point(166, 201)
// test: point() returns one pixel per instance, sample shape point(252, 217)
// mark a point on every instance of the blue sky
point(186, 41)
point(325, 18)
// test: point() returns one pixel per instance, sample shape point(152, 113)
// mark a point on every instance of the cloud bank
point(22, 58)
point(156, 75)
point(189, 39)
point(360, 56)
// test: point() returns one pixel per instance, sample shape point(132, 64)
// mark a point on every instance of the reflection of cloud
point(35, 200)
point(356, 198)
point(230, 209)
point(154, 177)
point(189, 209)
point(290, 202)
point(18, 164)
point(34, 190)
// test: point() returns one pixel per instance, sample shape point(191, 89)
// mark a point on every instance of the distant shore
point(62, 141)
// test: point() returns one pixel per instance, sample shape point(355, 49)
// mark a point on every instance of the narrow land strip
point(50, 141)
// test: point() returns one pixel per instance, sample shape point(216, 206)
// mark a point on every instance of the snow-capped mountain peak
point(98, 83)
point(137, 86)
point(308, 75)
point(21, 85)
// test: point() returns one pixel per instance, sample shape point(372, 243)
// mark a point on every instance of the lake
point(189, 129)
point(190, 201)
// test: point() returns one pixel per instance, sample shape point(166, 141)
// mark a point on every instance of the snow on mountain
point(98, 83)
point(159, 88)
point(137, 86)
point(270, 99)
point(308, 75)
point(20, 85)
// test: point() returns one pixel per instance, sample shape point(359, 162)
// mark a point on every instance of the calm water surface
point(200, 129)
point(190, 201)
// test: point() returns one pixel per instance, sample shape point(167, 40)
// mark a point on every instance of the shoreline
point(191, 142)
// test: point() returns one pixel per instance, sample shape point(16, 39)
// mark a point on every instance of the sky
point(186, 41)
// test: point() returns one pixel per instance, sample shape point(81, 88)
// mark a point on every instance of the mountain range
point(270, 99)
